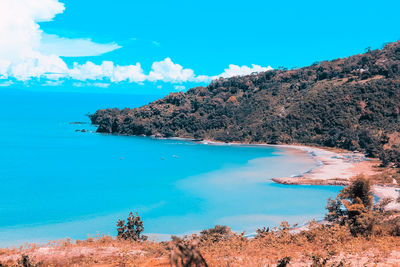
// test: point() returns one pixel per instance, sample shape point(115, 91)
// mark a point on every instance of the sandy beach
point(336, 168)
point(333, 167)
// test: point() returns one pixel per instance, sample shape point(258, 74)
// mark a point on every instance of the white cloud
point(235, 70)
point(133, 73)
point(26, 53)
point(202, 78)
point(102, 85)
point(168, 71)
point(91, 84)
point(52, 44)
point(78, 84)
point(19, 56)
point(165, 71)
point(179, 87)
point(91, 71)
point(53, 83)
point(107, 70)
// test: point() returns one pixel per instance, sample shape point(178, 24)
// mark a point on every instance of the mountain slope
point(351, 103)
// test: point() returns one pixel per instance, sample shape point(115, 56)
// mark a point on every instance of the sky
point(156, 47)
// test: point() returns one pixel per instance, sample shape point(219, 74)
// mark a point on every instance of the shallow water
point(59, 183)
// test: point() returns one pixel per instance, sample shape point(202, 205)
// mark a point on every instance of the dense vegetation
point(355, 209)
point(351, 103)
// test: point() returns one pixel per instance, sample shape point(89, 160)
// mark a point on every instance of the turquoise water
point(58, 183)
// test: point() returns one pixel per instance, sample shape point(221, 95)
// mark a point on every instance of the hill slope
point(351, 103)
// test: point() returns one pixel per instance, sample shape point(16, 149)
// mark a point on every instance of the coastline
point(333, 167)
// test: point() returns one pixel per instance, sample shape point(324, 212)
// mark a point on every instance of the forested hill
point(350, 103)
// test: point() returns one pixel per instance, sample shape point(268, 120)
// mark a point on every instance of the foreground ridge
point(351, 103)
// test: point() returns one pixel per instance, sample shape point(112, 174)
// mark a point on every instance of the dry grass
point(333, 245)
point(104, 251)
point(318, 244)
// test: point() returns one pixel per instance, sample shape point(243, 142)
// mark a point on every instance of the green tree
point(354, 207)
point(132, 229)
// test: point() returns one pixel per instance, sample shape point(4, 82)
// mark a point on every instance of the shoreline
point(333, 167)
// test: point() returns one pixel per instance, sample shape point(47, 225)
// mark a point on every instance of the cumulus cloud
point(179, 87)
point(21, 35)
point(107, 70)
point(53, 83)
point(91, 84)
point(102, 85)
point(168, 71)
point(235, 70)
point(27, 52)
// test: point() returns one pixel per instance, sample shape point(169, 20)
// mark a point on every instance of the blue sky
point(153, 47)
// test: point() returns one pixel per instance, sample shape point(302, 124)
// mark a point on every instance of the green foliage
point(132, 229)
point(354, 207)
point(358, 191)
point(350, 103)
point(335, 212)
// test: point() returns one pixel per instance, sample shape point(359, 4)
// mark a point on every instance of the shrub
point(283, 262)
point(132, 229)
point(261, 232)
point(219, 232)
point(26, 262)
point(184, 252)
point(354, 207)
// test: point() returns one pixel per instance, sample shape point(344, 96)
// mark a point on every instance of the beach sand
point(333, 167)
point(336, 167)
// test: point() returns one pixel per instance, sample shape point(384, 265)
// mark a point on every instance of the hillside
point(351, 103)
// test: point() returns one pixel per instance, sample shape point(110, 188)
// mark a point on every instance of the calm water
point(58, 183)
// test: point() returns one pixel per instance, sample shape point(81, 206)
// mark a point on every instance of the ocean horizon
point(61, 179)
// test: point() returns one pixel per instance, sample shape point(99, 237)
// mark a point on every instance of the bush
point(283, 262)
point(132, 229)
point(184, 252)
point(354, 207)
point(25, 262)
point(219, 232)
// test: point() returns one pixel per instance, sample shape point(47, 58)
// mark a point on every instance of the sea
point(60, 179)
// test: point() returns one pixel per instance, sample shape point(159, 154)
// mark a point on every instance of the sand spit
point(336, 168)
point(333, 168)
